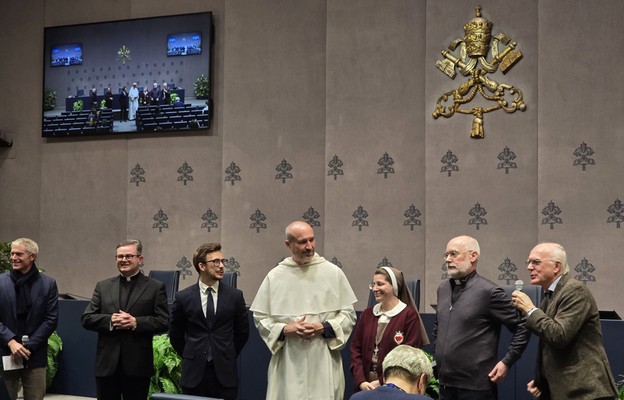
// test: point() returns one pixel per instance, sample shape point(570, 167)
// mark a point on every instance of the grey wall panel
point(302, 82)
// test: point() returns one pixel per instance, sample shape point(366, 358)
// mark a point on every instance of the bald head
point(461, 256)
point(546, 262)
point(465, 242)
point(300, 241)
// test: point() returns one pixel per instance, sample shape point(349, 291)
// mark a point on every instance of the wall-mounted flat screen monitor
point(66, 54)
point(184, 44)
point(121, 79)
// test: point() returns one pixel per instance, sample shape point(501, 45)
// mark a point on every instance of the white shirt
point(203, 290)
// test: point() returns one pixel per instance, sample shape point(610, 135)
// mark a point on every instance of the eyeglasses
point(536, 262)
point(216, 262)
point(126, 256)
point(452, 254)
point(376, 284)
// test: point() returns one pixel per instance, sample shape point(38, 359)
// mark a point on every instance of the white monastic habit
point(305, 369)
point(134, 102)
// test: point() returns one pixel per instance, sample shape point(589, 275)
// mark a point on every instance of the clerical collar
point(129, 278)
point(392, 385)
point(462, 282)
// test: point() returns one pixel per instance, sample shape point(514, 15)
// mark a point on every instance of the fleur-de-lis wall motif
point(449, 160)
point(209, 219)
point(506, 158)
point(551, 212)
point(583, 154)
point(477, 213)
point(137, 175)
point(335, 166)
point(160, 217)
point(185, 267)
point(385, 162)
point(412, 214)
point(232, 173)
point(360, 216)
point(585, 269)
point(185, 172)
point(283, 171)
point(257, 219)
point(507, 268)
point(311, 216)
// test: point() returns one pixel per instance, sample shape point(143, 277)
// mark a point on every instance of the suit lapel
point(555, 296)
point(114, 293)
point(196, 304)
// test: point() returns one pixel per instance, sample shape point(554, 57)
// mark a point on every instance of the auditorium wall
point(323, 111)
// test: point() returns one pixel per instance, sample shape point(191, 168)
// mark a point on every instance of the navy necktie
point(210, 307)
point(210, 319)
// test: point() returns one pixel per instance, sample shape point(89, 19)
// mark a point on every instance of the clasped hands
point(123, 320)
point(302, 329)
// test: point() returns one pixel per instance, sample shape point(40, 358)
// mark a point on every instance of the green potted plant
point(433, 386)
point(202, 87)
point(173, 98)
point(78, 105)
point(167, 367)
point(5, 257)
point(55, 345)
point(49, 99)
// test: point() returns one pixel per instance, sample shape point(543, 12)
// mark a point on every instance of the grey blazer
point(573, 358)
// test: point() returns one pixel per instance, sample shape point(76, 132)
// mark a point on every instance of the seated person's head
point(410, 365)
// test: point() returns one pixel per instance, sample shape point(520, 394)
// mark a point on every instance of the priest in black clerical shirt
point(126, 311)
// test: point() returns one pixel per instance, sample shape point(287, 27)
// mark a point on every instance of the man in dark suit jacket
point(126, 311)
point(209, 328)
point(572, 363)
point(165, 94)
point(29, 308)
point(123, 104)
point(155, 95)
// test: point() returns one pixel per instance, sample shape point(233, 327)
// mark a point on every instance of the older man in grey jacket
point(470, 313)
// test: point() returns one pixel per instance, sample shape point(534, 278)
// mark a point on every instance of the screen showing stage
point(184, 44)
point(66, 54)
point(90, 72)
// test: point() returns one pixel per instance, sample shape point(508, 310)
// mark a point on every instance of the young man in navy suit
point(29, 307)
point(209, 328)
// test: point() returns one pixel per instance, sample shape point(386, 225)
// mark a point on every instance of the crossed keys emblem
point(479, 55)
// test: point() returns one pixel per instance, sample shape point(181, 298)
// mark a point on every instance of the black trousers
point(115, 386)
point(211, 387)
point(453, 393)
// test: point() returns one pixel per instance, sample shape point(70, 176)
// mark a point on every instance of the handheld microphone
point(25, 342)
point(519, 285)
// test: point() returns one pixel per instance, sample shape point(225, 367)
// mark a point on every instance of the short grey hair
point(31, 246)
point(407, 362)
